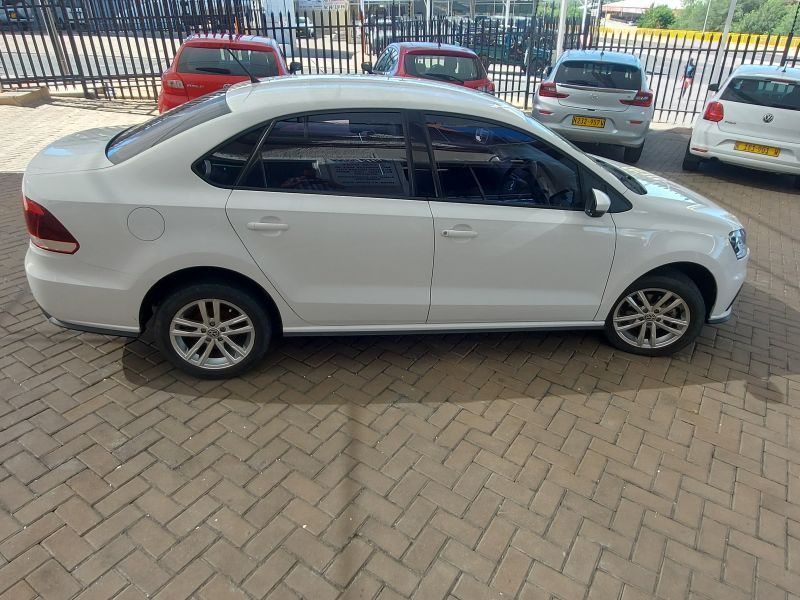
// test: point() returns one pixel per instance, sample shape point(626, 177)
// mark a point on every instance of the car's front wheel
point(657, 315)
point(212, 330)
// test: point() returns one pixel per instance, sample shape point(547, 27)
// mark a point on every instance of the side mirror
point(295, 67)
point(713, 87)
point(600, 204)
point(366, 67)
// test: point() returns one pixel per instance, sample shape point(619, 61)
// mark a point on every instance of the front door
point(330, 218)
point(512, 241)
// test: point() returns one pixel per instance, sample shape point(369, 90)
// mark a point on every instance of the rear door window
point(218, 61)
point(141, 137)
point(444, 68)
point(598, 74)
point(763, 92)
point(346, 153)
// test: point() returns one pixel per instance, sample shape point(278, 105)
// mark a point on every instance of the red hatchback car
point(426, 60)
point(206, 63)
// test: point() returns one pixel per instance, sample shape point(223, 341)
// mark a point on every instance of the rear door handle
point(262, 226)
point(459, 233)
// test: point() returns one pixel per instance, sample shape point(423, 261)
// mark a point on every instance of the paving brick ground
point(464, 466)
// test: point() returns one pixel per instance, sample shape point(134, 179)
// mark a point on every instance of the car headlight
point(738, 240)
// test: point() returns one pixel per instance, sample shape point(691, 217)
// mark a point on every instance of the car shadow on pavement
point(755, 353)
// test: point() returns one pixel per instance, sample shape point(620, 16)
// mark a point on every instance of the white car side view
point(347, 204)
point(752, 121)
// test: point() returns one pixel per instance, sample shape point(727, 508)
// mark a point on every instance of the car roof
point(768, 71)
point(280, 96)
point(602, 56)
point(433, 46)
point(214, 39)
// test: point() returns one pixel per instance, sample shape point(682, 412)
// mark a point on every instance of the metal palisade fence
point(118, 48)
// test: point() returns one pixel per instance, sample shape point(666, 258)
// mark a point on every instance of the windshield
point(772, 93)
point(607, 75)
point(444, 67)
point(218, 61)
point(629, 181)
point(139, 138)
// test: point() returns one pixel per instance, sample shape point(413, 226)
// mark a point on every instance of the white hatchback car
point(752, 121)
point(346, 204)
point(597, 97)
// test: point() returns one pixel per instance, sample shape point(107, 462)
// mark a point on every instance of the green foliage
point(657, 17)
point(750, 16)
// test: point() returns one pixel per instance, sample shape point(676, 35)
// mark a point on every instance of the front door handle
point(267, 226)
point(459, 233)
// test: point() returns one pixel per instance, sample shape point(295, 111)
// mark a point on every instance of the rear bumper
point(80, 296)
point(708, 142)
point(618, 130)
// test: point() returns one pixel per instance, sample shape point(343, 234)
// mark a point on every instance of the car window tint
point(491, 163)
point(763, 92)
point(223, 166)
point(443, 68)
point(599, 74)
point(361, 153)
point(218, 61)
point(383, 62)
point(141, 137)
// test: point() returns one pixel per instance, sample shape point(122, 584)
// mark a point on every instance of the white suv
point(752, 121)
point(345, 204)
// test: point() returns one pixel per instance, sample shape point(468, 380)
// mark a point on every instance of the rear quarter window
point(599, 74)
point(763, 92)
point(142, 137)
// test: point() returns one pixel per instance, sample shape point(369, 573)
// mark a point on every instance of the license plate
point(757, 149)
point(597, 122)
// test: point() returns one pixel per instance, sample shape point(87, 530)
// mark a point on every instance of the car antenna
point(238, 62)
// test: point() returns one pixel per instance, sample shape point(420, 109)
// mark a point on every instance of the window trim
point(434, 165)
point(404, 121)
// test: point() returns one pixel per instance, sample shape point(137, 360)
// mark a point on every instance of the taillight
point(175, 84)
point(548, 89)
point(640, 99)
point(46, 231)
point(714, 112)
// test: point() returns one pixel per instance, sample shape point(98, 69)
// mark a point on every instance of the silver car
point(597, 96)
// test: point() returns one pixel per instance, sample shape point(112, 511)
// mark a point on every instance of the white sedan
point(346, 204)
point(753, 120)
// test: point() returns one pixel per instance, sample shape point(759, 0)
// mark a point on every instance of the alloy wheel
point(651, 318)
point(212, 333)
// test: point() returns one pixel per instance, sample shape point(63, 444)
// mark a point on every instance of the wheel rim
point(651, 318)
point(212, 333)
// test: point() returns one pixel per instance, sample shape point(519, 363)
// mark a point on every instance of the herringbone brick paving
point(462, 466)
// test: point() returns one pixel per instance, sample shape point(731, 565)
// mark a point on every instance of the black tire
point(632, 155)
point(690, 161)
point(677, 284)
point(231, 299)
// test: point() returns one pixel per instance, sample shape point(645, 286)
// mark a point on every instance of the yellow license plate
point(757, 149)
point(597, 122)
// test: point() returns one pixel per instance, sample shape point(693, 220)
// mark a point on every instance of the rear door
point(328, 211)
point(206, 68)
point(762, 108)
point(597, 85)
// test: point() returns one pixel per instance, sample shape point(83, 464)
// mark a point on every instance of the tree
point(657, 17)
point(773, 16)
point(750, 16)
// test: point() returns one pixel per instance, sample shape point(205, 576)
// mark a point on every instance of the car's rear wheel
point(211, 330)
point(690, 161)
point(657, 315)
point(632, 155)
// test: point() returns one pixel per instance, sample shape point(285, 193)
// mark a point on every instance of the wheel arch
point(193, 275)
point(700, 276)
